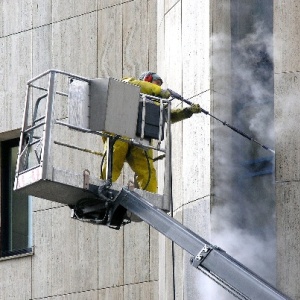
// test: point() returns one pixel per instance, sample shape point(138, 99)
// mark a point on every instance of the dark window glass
point(15, 206)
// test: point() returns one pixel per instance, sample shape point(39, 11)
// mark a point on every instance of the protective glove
point(195, 108)
point(165, 94)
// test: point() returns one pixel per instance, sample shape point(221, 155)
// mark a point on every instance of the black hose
point(101, 165)
point(149, 169)
point(228, 125)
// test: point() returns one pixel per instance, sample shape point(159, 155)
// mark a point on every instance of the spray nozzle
point(175, 95)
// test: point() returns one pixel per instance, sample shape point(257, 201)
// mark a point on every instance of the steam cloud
point(243, 210)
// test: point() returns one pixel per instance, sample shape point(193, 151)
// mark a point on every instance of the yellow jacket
point(148, 87)
point(152, 89)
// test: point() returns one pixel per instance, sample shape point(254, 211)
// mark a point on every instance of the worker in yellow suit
point(141, 160)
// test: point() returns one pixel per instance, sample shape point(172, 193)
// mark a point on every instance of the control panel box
point(114, 106)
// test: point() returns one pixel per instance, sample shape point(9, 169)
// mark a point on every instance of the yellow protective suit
point(140, 160)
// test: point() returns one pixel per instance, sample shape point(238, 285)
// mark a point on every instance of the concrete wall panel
point(196, 168)
point(180, 280)
point(16, 71)
point(152, 35)
point(160, 38)
point(108, 3)
point(136, 34)
point(39, 204)
point(41, 50)
point(193, 35)
point(16, 16)
point(76, 256)
point(41, 12)
point(168, 4)
point(195, 50)
point(139, 35)
point(110, 42)
point(3, 69)
point(15, 277)
point(286, 65)
point(41, 266)
point(91, 295)
point(113, 293)
point(287, 35)
point(66, 255)
point(196, 66)
point(154, 255)
point(172, 74)
point(193, 281)
point(110, 257)
point(170, 262)
point(75, 45)
point(136, 253)
point(288, 226)
point(1, 18)
point(162, 267)
point(177, 178)
point(146, 290)
point(162, 71)
point(172, 60)
point(287, 109)
point(166, 270)
point(71, 8)
point(196, 216)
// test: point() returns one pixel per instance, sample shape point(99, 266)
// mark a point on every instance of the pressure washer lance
point(179, 97)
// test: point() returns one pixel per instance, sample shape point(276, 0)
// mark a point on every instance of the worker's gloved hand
point(165, 94)
point(195, 108)
point(180, 114)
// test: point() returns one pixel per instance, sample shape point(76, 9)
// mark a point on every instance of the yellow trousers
point(140, 161)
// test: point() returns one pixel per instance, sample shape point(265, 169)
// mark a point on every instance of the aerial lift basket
point(65, 116)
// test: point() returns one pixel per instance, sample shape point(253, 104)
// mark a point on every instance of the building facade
point(238, 60)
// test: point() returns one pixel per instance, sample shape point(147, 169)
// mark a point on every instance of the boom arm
point(212, 260)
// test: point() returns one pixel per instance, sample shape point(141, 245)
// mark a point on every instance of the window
point(16, 237)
